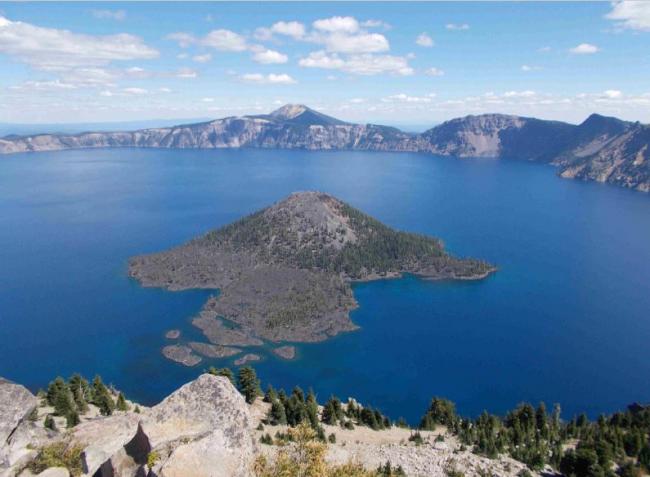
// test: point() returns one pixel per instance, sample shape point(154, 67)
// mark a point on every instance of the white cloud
point(320, 59)
point(202, 58)
point(207, 100)
point(135, 91)
point(337, 24)
point(268, 57)
point(584, 49)
point(544, 49)
point(164, 90)
point(634, 15)
point(375, 64)
point(53, 85)
point(519, 94)
point(613, 94)
point(434, 72)
point(424, 40)
point(183, 39)
point(224, 40)
point(293, 29)
point(364, 64)
point(357, 100)
point(405, 98)
point(529, 68)
point(221, 39)
point(267, 79)
point(54, 49)
point(375, 24)
point(182, 56)
point(359, 43)
point(457, 26)
point(186, 73)
point(109, 14)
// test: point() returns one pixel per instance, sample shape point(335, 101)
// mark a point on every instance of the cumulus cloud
point(109, 14)
point(268, 57)
point(292, 29)
point(424, 40)
point(271, 78)
point(457, 26)
point(50, 85)
point(375, 24)
point(359, 43)
point(434, 72)
point(320, 59)
point(613, 94)
point(202, 58)
point(186, 73)
point(224, 40)
point(630, 14)
point(584, 49)
point(363, 64)
point(519, 94)
point(221, 39)
point(135, 91)
point(54, 49)
point(529, 68)
point(405, 98)
point(183, 39)
point(337, 24)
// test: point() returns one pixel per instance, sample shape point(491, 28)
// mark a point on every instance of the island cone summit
point(284, 272)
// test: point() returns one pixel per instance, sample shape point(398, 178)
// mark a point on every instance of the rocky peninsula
point(285, 272)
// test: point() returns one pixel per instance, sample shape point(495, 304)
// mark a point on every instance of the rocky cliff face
point(601, 149)
point(203, 429)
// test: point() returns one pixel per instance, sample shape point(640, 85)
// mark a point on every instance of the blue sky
point(396, 63)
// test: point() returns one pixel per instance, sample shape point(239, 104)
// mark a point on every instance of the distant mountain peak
point(301, 114)
point(290, 111)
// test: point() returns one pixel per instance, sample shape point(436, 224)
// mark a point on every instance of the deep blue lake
point(566, 318)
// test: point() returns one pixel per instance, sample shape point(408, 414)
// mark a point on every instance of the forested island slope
point(601, 148)
point(284, 272)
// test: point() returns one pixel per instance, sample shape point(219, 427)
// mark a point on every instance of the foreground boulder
point(16, 404)
point(203, 429)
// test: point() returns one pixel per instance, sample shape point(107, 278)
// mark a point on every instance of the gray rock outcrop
point(203, 429)
point(16, 403)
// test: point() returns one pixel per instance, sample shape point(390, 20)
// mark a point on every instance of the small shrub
point(332, 438)
point(58, 454)
point(416, 437)
point(152, 458)
point(266, 439)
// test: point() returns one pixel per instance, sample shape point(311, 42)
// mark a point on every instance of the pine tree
point(72, 418)
point(225, 372)
point(54, 389)
point(312, 409)
point(248, 384)
point(121, 403)
point(102, 397)
point(270, 394)
point(277, 414)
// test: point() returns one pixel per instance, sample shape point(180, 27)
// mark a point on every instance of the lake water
point(566, 318)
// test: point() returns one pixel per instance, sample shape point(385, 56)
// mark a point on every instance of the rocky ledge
point(284, 273)
point(202, 429)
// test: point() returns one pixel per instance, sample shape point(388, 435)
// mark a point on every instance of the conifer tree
point(102, 397)
point(121, 403)
point(248, 384)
